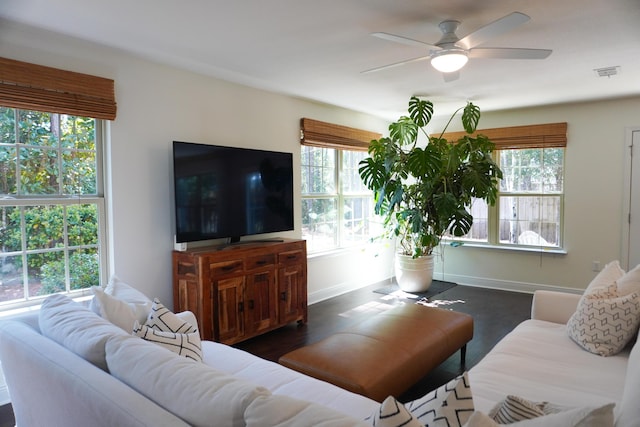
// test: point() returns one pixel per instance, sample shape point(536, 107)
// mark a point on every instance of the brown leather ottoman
point(387, 353)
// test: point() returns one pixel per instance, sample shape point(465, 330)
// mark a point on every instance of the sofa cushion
point(601, 416)
point(77, 328)
point(195, 392)
point(452, 402)
point(285, 411)
point(604, 321)
point(187, 345)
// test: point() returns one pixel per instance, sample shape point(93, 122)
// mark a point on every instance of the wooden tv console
point(239, 291)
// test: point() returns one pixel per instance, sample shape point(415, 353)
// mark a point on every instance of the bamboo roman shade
point(36, 87)
point(329, 135)
point(548, 135)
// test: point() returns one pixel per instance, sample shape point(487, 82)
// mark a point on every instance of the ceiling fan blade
point(404, 40)
point(395, 64)
point(508, 53)
point(449, 77)
point(494, 29)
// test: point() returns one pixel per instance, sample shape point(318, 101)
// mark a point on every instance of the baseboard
point(4, 395)
point(337, 290)
point(4, 391)
point(504, 285)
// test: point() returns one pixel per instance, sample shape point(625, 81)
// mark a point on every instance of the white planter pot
point(414, 274)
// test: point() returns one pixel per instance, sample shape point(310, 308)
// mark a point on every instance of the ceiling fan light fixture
point(449, 61)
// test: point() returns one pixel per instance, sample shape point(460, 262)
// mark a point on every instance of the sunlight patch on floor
point(400, 295)
point(440, 302)
point(373, 307)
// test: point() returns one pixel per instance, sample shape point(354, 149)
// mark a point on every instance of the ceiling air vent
point(607, 71)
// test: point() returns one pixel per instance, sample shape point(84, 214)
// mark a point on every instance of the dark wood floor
point(495, 314)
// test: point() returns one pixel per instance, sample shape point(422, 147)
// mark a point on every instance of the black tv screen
point(227, 192)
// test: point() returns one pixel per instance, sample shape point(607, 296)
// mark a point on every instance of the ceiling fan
point(451, 53)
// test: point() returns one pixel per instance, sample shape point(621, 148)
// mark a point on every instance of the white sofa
point(145, 385)
point(539, 362)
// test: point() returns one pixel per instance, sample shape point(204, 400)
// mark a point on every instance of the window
point(531, 197)
point(337, 209)
point(50, 204)
point(529, 208)
point(51, 196)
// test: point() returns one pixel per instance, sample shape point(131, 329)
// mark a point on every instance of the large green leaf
point(470, 117)
point(372, 173)
point(420, 111)
point(404, 131)
point(461, 223)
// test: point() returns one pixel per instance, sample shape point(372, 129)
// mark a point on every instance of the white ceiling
point(317, 49)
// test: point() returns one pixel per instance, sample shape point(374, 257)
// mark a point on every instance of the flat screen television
point(226, 192)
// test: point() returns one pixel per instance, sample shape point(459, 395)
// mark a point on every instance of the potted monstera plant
point(424, 185)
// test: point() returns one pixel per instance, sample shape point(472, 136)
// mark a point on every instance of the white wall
point(594, 182)
point(158, 104)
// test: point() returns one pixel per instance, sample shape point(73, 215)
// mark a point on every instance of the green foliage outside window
point(48, 164)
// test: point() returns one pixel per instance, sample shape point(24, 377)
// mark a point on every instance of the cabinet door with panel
point(292, 286)
point(261, 306)
point(228, 283)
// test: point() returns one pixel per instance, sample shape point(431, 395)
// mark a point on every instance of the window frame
point(324, 135)
point(60, 199)
point(550, 135)
point(340, 197)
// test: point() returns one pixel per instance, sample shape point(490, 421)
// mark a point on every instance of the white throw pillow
point(606, 277)
point(605, 322)
point(452, 402)
point(392, 413)
point(118, 312)
point(195, 392)
point(285, 411)
point(125, 292)
point(77, 328)
point(162, 319)
point(630, 282)
point(187, 345)
point(578, 417)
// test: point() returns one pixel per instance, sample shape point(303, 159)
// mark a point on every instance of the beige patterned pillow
point(604, 321)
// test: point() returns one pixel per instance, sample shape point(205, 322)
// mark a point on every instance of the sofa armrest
point(188, 317)
point(556, 307)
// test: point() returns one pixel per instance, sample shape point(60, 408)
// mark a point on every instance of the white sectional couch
point(68, 366)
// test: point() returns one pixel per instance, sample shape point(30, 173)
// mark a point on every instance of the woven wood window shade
point(36, 87)
point(550, 135)
point(328, 135)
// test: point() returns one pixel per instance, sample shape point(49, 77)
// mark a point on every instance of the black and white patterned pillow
point(605, 321)
point(392, 413)
point(450, 405)
point(514, 408)
point(187, 345)
point(162, 319)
